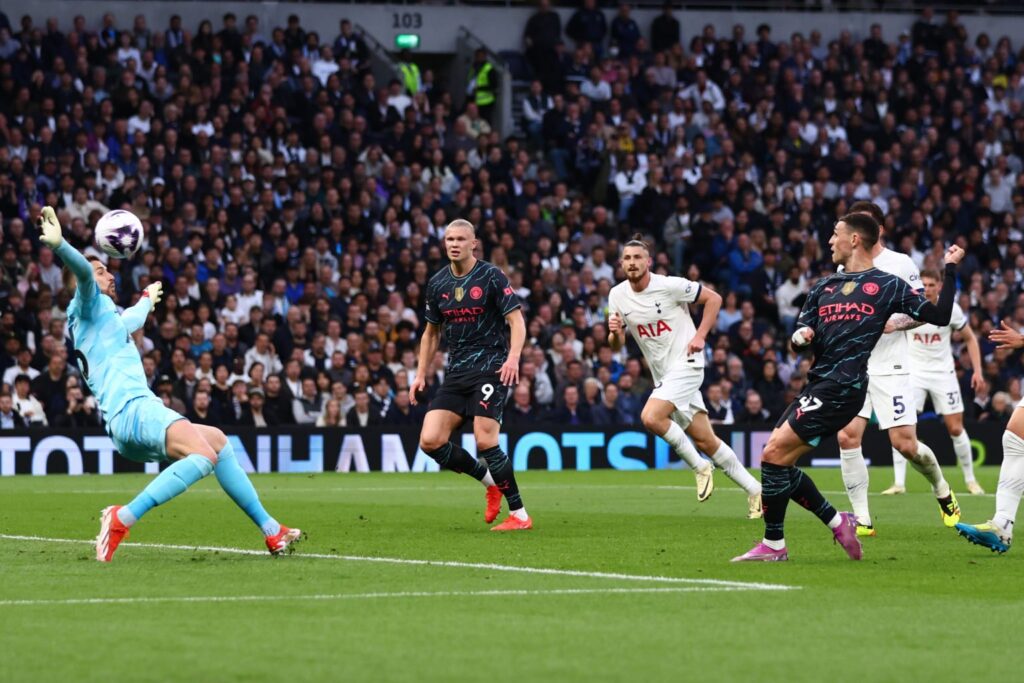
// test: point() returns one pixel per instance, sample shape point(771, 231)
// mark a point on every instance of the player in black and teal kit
point(474, 303)
point(842, 319)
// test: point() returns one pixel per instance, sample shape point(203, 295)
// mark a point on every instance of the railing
point(382, 65)
point(467, 44)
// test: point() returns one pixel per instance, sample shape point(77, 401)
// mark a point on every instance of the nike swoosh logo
point(706, 487)
point(658, 385)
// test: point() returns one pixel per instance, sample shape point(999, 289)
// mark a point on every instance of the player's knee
point(956, 429)
point(650, 420)
point(847, 439)
point(431, 442)
point(907, 446)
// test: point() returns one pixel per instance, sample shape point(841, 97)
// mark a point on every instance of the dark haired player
point(842, 319)
point(889, 398)
point(656, 310)
point(474, 302)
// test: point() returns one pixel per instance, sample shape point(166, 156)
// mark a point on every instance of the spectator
point(719, 406)
point(607, 412)
point(27, 405)
point(361, 414)
point(331, 415)
point(664, 30)
point(257, 400)
point(573, 411)
point(588, 26)
point(9, 417)
point(277, 406)
point(81, 412)
point(753, 411)
point(308, 403)
point(625, 34)
point(203, 411)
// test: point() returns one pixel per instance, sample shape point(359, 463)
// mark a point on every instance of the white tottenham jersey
point(930, 349)
point(659, 319)
point(890, 356)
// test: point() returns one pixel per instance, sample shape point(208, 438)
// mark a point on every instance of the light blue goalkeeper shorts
point(139, 431)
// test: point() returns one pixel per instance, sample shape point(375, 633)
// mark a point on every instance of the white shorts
point(944, 390)
point(891, 398)
point(681, 388)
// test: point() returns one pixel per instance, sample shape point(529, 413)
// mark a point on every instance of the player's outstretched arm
point(939, 314)
point(429, 342)
point(52, 236)
point(712, 303)
point(509, 371)
point(135, 317)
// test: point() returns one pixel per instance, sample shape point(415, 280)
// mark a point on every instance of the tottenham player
point(474, 303)
point(139, 424)
point(889, 397)
point(842, 319)
point(655, 309)
point(933, 375)
point(997, 533)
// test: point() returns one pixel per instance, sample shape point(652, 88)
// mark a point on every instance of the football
point(119, 234)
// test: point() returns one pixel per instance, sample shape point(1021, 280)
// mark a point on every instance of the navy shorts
point(822, 409)
point(472, 395)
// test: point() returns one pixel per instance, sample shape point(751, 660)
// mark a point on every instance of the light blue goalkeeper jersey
point(104, 350)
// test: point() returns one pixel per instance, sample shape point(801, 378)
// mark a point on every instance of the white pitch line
point(743, 585)
point(373, 596)
point(398, 489)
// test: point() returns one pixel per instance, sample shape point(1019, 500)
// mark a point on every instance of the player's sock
point(899, 469)
point(1011, 482)
point(457, 459)
point(235, 482)
point(776, 483)
point(172, 482)
point(964, 456)
point(500, 466)
point(676, 438)
point(926, 464)
point(726, 458)
point(855, 477)
point(488, 480)
point(806, 494)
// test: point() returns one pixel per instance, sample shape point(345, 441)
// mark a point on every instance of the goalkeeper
point(142, 428)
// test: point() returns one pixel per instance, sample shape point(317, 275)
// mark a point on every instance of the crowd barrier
point(304, 449)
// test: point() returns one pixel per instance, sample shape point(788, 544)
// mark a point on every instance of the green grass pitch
point(644, 591)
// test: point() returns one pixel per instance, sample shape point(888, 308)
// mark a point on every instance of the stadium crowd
point(294, 205)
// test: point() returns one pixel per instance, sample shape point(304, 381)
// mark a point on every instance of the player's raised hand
point(954, 254)
point(155, 292)
point(509, 372)
point(1007, 337)
point(49, 228)
point(695, 346)
point(615, 324)
point(418, 386)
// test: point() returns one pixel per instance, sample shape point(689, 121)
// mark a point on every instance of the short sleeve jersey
point(659, 320)
point(890, 354)
point(930, 349)
point(471, 310)
point(848, 312)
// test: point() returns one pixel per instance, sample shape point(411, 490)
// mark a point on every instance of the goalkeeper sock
point(172, 482)
point(964, 455)
point(899, 469)
point(726, 458)
point(233, 479)
point(855, 477)
point(1011, 482)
